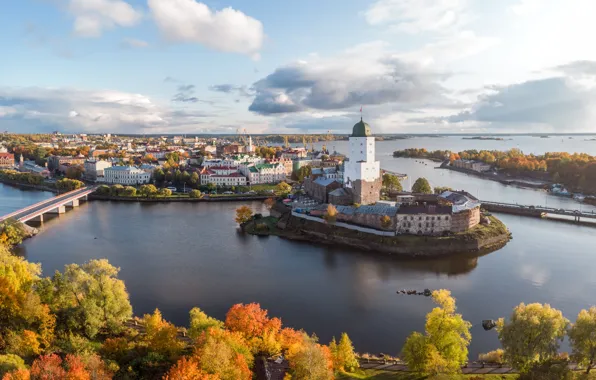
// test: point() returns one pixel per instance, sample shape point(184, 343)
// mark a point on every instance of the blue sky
point(185, 66)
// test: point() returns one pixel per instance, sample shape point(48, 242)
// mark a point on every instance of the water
point(177, 256)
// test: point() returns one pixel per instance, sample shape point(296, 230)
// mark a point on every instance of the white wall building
point(94, 169)
point(126, 175)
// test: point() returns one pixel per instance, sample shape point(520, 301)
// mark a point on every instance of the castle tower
point(362, 173)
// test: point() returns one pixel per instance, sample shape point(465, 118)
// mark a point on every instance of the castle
point(361, 174)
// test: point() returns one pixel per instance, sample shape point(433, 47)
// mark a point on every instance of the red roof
point(228, 175)
point(7, 155)
point(222, 168)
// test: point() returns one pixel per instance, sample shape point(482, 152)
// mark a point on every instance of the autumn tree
point(148, 190)
point(344, 358)
point(444, 346)
point(532, 334)
point(11, 362)
point(269, 202)
point(89, 296)
point(311, 361)
point(243, 214)
point(421, 186)
point(582, 338)
point(391, 182)
point(331, 214)
point(12, 232)
point(385, 221)
point(188, 369)
point(260, 331)
point(226, 354)
point(282, 189)
point(161, 336)
point(195, 194)
point(48, 367)
point(200, 322)
point(165, 192)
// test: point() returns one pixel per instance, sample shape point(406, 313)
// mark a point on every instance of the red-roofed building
point(222, 176)
point(6, 160)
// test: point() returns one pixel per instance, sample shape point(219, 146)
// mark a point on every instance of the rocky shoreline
point(480, 239)
point(96, 197)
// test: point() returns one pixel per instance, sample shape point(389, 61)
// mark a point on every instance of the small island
point(350, 211)
point(484, 138)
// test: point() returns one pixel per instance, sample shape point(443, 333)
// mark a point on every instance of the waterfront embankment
point(29, 185)
point(480, 239)
point(520, 181)
point(178, 198)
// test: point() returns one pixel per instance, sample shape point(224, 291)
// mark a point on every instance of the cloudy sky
point(186, 66)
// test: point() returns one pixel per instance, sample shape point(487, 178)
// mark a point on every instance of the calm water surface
point(176, 256)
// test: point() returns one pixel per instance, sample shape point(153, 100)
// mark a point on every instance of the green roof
point(253, 169)
point(361, 129)
point(266, 166)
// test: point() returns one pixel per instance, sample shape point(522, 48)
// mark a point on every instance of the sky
point(307, 66)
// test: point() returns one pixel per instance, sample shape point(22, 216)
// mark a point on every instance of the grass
point(370, 374)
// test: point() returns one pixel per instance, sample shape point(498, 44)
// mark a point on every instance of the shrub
point(495, 357)
point(195, 194)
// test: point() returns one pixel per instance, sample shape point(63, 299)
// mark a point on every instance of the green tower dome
point(361, 129)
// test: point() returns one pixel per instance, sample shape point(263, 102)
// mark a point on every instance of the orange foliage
point(188, 369)
point(250, 320)
point(48, 367)
point(19, 374)
point(75, 368)
point(115, 348)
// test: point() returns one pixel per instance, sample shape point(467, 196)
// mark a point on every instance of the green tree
point(444, 347)
point(582, 337)
point(200, 322)
point(532, 334)
point(89, 297)
point(421, 186)
point(165, 192)
point(103, 190)
point(12, 232)
point(116, 190)
point(194, 179)
point(11, 363)
point(391, 182)
point(195, 194)
point(148, 190)
point(67, 184)
point(282, 189)
point(303, 172)
point(311, 362)
point(129, 191)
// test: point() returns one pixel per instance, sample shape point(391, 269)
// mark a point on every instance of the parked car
point(228, 192)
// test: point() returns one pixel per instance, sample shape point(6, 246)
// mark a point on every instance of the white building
point(362, 173)
point(126, 175)
point(264, 173)
point(94, 169)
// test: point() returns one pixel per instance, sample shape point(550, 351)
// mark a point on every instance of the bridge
point(56, 205)
point(537, 211)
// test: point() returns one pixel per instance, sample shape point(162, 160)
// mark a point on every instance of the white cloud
point(525, 7)
point(226, 30)
point(65, 109)
point(415, 16)
point(367, 74)
point(92, 17)
point(132, 43)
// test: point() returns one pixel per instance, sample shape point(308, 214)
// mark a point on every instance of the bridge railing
point(8, 216)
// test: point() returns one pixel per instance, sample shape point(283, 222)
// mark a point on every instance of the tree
point(48, 367)
point(161, 336)
point(188, 369)
point(200, 322)
point(74, 172)
point(532, 334)
point(344, 358)
point(269, 202)
point(582, 337)
point(116, 190)
point(311, 361)
point(331, 214)
point(444, 347)
point(128, 191)
point(194, 179)
point(67, 184)
point(391, 182)
point(225, 354)
point(303, 172)
point(282, 189)
point(12, 232)
point(243, 214)
point(19, 374)
point(11, 362)
point(385, 221)
point(442, 189)
point(195, 194)
point(103, 190)
point(165, 192)
point(89, 296)
point(148, 190)
point(421, 186)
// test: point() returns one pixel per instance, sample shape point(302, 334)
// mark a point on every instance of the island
point(350, 212)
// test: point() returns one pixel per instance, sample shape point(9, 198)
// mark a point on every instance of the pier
point(536, 211)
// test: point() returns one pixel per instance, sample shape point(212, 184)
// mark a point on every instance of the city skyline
point(183, 66)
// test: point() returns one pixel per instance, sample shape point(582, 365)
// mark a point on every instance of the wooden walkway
point(473, 368)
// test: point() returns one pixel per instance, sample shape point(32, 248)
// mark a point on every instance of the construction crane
point(312, 144)
point(286, 142)
point(304, 142)
point(329, 137)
